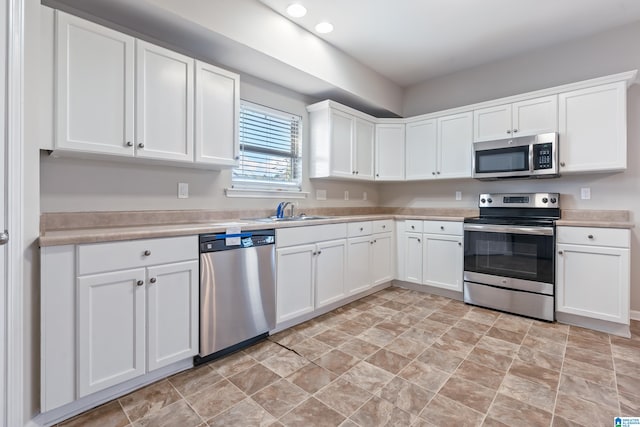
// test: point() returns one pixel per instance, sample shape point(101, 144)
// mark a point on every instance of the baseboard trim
point(634, 314)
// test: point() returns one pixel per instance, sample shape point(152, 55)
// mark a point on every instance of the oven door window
point(512, 159)
point(520, 256)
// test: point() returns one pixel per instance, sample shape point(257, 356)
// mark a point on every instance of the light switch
point(585, 193)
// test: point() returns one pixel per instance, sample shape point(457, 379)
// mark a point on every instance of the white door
point(442, 261)
point(421, 147)
point(111, 329)
point(330, 271)
point(413, 258)
point(164, 103)
point(294, 285)
point(535, 116)
point(217, 115)
point(342, 144)
point(455, 146)
point(390, 152)
point(382, 258)
point(358, 264)
point(364, 137)
point(94, 87)
point(172, 313)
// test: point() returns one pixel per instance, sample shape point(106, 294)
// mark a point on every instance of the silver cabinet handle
point(4, 237)
point(140, 145)
point(147, 252)
point(129, 144)
point(153, 280)
point(140, 282)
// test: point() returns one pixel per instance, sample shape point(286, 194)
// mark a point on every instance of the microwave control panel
point(542, 156)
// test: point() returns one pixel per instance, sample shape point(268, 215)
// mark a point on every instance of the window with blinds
point(270, 154)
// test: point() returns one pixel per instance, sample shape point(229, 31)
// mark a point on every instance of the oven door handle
point(494, 228)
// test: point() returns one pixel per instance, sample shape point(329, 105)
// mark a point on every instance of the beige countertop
point(86, 227)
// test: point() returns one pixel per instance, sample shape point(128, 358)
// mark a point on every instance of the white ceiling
point(409, 41)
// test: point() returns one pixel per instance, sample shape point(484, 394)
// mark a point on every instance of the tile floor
point(401, 358)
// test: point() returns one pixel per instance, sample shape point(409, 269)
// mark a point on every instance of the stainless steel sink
point(290, 218)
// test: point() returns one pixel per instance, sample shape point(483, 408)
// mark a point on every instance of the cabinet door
point(421, 148)
point(382, 258)
point(455, 146)
point(294, 289)
point(413, 258)
point(442, 262)
point(390, 152)
point(342, 150)
point(217, 115)
point(94, 87)
point(358, 264)
point(592, 129)
point(593, 281)
point(535, 116)
point(363, 157)
point(111, 329)
point(172, 313)
point(164, 103)
point(330, 271)
point(492, 123)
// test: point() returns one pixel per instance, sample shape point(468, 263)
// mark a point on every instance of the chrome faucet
point(282, 206)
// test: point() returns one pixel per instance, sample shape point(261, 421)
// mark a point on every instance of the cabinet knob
point(562, 164)
point(237, 158)
point(442, 227)
point(357, 172)
point(413, 227)
point(153, 280)
point(129, 144)
point(384, 226)
point(140, 282)
point(438, 172)
point(353, 172)
point(319, 252)
point(140, 145)
point(147, 252)
point(314, 253)
point(433, 173)
point(515, 130)
point(371, 242)
point(560, 252)
point(508, 131)
point(361, 228)
point(377, 174)
point(459, 243)
point(590, 236)
point(419, 240)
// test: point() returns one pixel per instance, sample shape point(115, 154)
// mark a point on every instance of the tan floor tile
point(352, 327)
point(633, 342)
point(379, 412)
point(406, 347)
point(108, 415)
point(388, 360)
point(406, 396)
point(490, 359)
point(285, 364)
point(369, 318)
point(514, 412)
point(395, 328)
point(540, 330)
point(246, 413)
point(582, 412)
point(450, 345)
point(627, 367)
point(333, 338)
point(513, 323)
point(506, 335)
point(287, 337)
point(470, 325)
point(432, 326)
point(462, 335)
point(563, 422)
point(310, 328)
point(421, 335)
point(254, 379)
point(588, 334)
point(194, 380)
point(264, 350)
point(215, 399)
point(381, 311)
point(482, 316)
point(600, 376)
point(395, 305)
point(377, 336)
point(176, 414)
point(150, 399)
point(483, 375)
point(442, 411)
point(457, 308)
point(280, 397)
point(498, 346)
point(543, 376)
point(368, 376)
point(424, 376)
point(543, 344)
point(468, 393)
point(232, 364)
point(337, 361)
point(439, 358)
point(530, 392)
point(584, 389)
point(628, 385)
point(442, 316)
point(343, 397)
point(629, 404)
point(408, 319)
point(626, 352)
point(490, 422)
point(312, 378)
point(540, 358)
point(602, 347)
point(591, 357)
point(311, 348)
point(312, 412)
point(359, 348)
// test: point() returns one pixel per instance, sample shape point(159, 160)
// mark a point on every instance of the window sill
point(264, 194)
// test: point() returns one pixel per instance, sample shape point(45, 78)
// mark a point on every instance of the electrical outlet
point(321, 194)
point(346, 194)
point(364, 195)
point(458, 195)
point(585, 193)
point(183, 190)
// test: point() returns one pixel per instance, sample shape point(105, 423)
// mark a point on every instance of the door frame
point(15, 201)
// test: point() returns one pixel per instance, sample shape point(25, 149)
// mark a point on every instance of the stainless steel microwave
point(534, 156)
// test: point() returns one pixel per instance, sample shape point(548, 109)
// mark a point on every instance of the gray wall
point(608, 53)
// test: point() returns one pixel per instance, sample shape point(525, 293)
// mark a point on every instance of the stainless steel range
point(509, 254)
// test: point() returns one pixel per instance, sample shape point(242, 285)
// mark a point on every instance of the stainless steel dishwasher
point(237, 291)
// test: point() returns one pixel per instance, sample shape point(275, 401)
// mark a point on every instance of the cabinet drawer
point(413, 226)
point(111, 256)
point(443, 227)
point(355, 229)
point(616, 237)
point(310, 234)
point(383, 226)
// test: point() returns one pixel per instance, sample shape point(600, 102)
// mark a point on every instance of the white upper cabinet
point(390, 151)
point(341, 143)
point(530, 117)
point(126, 97)
point(164, 104)
point(94, 88)
point(439, 148)
point(217, 113)
point(593, 129)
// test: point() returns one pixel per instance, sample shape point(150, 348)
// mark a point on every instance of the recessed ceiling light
point(296, 10)
point(324, 27)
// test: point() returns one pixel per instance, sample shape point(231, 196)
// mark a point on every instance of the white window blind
point(270, 154)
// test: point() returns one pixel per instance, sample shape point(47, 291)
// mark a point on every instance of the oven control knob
point(553, 200)
point(545, 200)
point(483, 200)
point(490, 200)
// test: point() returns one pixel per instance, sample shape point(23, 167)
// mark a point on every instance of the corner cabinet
point(113, 312)
point(390, 151)
point(342, 142)
point(120, 96)
point(593, 273)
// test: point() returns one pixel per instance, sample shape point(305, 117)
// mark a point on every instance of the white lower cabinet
point(111, 312)
point(330, 271)
point(593, 276)
point(359, 256)
point(371, 254)
point(413, 257)
point(382, 257)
